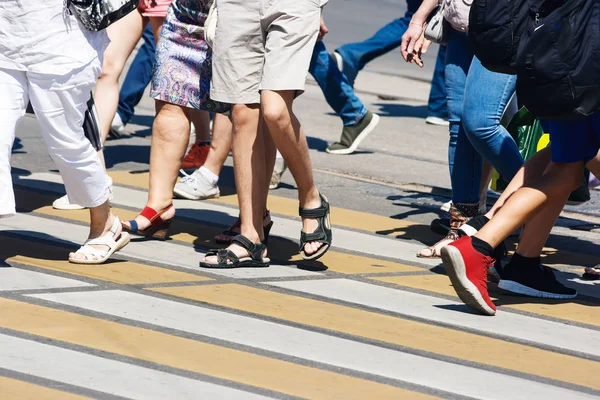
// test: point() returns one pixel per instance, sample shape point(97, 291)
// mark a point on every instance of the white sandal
point(97, 256)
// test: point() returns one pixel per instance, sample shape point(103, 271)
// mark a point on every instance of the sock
point(482, 247)
point(210, 176)
point(520, 261)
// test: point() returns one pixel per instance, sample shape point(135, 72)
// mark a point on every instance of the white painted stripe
point(283, 227)
point(162, 252)
point(311, 346)
point(450, 312)
point(21, 279)
point(113, 377)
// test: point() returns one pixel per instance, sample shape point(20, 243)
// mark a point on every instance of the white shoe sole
point(68, 207)
point(516, 287)
point(468, 293)
point(363, 135)
point(184, 195)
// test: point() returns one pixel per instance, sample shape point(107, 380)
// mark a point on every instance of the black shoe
point(441, 226)
point(533, 280)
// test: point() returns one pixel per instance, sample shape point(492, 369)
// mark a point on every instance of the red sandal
point(158, 228)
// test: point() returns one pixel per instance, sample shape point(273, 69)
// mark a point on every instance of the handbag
point(210, 25)
point(437, 29)
point(96, 15)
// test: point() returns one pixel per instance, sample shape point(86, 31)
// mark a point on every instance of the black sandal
point(323, 232)
point(227, 259)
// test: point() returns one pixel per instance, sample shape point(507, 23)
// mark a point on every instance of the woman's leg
point(486, 97)
point(13, 103)
point(170, 136)
point(124, 35)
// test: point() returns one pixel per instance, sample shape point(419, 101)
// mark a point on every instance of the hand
point(322, 29)
point(421, 48)
point(410, 39)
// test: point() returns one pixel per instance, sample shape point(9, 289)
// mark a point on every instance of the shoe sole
point(517, 288)
point(69, 207)
point(466, 291)
point(363, 135)
point(185, 195)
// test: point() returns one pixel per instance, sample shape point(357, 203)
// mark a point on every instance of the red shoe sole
point(467, 291)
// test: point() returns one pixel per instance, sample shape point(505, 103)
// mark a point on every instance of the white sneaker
point(437, 121)
point(278, 171)
point(117, 127)
point(446, 206)
point(196, 187)
point(63, 203)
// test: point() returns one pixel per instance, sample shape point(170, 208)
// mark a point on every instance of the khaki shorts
point(262, 45)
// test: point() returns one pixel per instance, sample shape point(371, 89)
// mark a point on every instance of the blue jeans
point(138, 77)
point(357, 55)
point(486, 96)
point(335, 86)
point(476, 101)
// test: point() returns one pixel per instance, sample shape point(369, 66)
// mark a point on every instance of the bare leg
point(249, 167)
point(530, 172)
point(558, 181)
point(289, 138)
point(125, 34)
point(201, 121)
point(222, 138)
point(170, 136)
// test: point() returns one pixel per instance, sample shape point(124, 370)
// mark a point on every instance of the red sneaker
point(467, 269)
point(196, 157)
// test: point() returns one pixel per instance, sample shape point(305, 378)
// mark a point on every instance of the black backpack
point(558, 61)
point(495, 30)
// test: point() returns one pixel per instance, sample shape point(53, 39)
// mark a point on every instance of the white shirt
point(38, 36)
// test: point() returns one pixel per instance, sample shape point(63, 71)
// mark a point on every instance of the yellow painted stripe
point(198, 234)
point(382, 225)
point(14, 389)
point(191, 355)
point(572, 310)
point(54, 258)
point(417, 335)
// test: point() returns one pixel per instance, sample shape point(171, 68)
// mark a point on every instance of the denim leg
point(357, 55)
point(334, 84)
point(486, 96)
point(437, 105)
point(463, 160)
point(138, 77)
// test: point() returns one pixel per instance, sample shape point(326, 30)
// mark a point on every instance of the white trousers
point(59, 103)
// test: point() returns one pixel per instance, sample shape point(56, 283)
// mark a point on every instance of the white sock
point(210, 176)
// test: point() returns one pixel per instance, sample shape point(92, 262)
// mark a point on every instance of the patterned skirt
point(183, 67)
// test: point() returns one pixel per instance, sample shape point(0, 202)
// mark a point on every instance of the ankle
point(311, 200)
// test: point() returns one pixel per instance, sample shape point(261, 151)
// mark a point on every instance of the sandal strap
point(317, 236)
point(319, 212)
point(225, 255)
point(88, 251)
point(254, 250)
point(151, 214)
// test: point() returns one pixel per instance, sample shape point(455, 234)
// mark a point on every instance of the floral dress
point(183, 68)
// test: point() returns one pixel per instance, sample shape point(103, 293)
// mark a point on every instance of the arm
point(413, 42)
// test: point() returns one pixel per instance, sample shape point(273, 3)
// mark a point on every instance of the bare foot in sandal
point(241, 253)
point(99, 247)
point(316, 235)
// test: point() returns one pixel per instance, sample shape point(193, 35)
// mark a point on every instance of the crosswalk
point(370, 321)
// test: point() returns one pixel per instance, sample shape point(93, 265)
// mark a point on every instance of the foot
point(107, 227)
point(280, 167)
point(431, 120)
point(117, 127)
point(144, 223)
point(196, 157)
point(468, 269)
point(528, 277)
point(238, 250)
point(196, 187)
point(435, 250)
point(344, 67)
point(353, 135)
point(310, 225)
point(592, 273)
point(227, 235)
